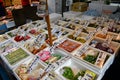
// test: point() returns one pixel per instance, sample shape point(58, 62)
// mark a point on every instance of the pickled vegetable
point(68, 73)
point(90, 58)
point(16, 56)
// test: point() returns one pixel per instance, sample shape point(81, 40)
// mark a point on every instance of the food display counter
point(81, 50)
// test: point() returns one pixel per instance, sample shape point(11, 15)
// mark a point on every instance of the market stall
point(66, 48)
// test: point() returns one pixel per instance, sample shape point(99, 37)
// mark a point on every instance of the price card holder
point(77, 32)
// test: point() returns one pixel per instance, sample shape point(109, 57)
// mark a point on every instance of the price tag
point(33, 64)
point(86, 24)
point(104, 30)
point(77, 32)
point(52, 48)
point(40, 39)
point(97, 29)
point(54, 30)
point(89, 35)
point(59, 34)
point(50, 67)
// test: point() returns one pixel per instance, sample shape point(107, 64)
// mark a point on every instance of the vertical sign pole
point(47, 18)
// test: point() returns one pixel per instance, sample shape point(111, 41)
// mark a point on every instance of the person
point(2, 9)
point(68, 4)
point(25, 3)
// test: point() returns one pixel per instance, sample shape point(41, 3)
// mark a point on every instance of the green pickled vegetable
point(90, 58)
point(16, 56)
point(11, 34)
point(68, 73)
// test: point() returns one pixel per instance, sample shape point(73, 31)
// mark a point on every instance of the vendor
point(2, 9)
point(68, 4)
point(25, 3)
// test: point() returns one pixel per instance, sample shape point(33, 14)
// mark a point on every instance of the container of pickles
point(82, 37)
point(73, 70)
point(29, 69)
point(96, 58)
point(69, 46)
point(7, 45)
point(105, 45)
point(35, 31)
point(34, 45)
point(15, 56)
point(3, 38)
point(48, 57)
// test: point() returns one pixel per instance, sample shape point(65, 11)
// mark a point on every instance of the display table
point(78, 46)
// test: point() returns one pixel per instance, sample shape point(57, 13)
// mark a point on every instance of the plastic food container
point(15, 56)
point(3, 38)
point(48, 57)
point(7, 45)
point(72, 69)
point(69, 46)
point(29, 69)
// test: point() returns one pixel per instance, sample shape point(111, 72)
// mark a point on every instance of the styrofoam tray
point(36, 69)
point(100, 68)
point(7, 45)
point(52, 53)
point(13, 65)
point(71, 52)
point(3, 38)
point(75, 66)
point(113, 45)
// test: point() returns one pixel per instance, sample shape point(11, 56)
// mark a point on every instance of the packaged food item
point(16, 56)
point(102, 45)
point(12, 33)
point(47, 57)
point(34, 46)
point(36, 31)
point(70, 74)
point(89, 75)
point(4, 47)
point(30, 70)
point(67, 72)
point(68, 45)
point(105, 47)
point(3, 38)
point(101, 35)
point(90, 56)
point(44, 55)
point(19, 38)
